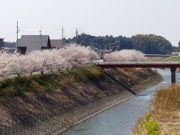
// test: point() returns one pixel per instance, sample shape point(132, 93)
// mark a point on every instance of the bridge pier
point(173, 75)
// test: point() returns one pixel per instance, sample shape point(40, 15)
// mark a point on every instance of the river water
point(120, 119)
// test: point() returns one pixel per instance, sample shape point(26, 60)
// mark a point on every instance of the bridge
point(171, 65)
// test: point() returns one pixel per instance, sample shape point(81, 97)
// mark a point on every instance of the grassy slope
point(22, 86)
point(25, 85)
point(171, 58)
point(27, 100)
point(164, 115)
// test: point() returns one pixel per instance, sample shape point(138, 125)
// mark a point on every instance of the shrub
point(167, 98)
point(147, 126)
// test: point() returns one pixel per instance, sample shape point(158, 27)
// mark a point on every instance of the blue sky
point(95, 17)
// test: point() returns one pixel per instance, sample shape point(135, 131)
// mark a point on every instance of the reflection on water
point(164, 82)
point(120, 120)
point(147, 97)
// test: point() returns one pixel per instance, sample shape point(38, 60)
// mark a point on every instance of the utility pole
point(119, 45)
point(40, 32)
point(103, 48)
point(104, 43)
point(76, 35)
point(17, 32)
point(62, 36)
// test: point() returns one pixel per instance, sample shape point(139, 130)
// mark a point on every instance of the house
point(8, 50)
point(1, 42)
point(56, 43)
point(28, 43)
point(175, 53)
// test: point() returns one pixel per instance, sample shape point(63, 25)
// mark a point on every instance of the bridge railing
point(172, 65)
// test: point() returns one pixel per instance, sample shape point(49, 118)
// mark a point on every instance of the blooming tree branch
point(45, 60)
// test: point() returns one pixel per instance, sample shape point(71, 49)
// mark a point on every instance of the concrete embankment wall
point(50, 112)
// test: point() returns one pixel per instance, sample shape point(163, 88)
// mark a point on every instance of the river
point(120, 119)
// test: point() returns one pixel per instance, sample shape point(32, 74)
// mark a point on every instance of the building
point(175, 53)
point(1, 42)
point(56, 43)
point(28, 43)
point(8, 50)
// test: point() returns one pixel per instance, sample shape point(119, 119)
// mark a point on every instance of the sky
point(94, 17)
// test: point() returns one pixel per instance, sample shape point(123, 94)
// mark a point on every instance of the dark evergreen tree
point(151, 44)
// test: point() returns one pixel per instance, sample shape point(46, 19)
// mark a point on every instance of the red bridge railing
point(172, 65)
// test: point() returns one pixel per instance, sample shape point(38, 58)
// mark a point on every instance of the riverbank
point(164, 116)
point(82, 93)
point(97, 107)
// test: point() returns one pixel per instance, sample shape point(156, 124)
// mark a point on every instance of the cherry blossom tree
point(125, 56)
point(46, 60)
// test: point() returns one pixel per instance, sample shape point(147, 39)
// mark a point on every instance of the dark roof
point(56, 43)
point(34, 42)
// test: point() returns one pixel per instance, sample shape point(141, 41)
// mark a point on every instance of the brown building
point(56, 43)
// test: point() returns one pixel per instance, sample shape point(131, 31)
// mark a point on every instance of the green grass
point(171, 58)
point(147, 126)
point(165, 108)
point(22, 86)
